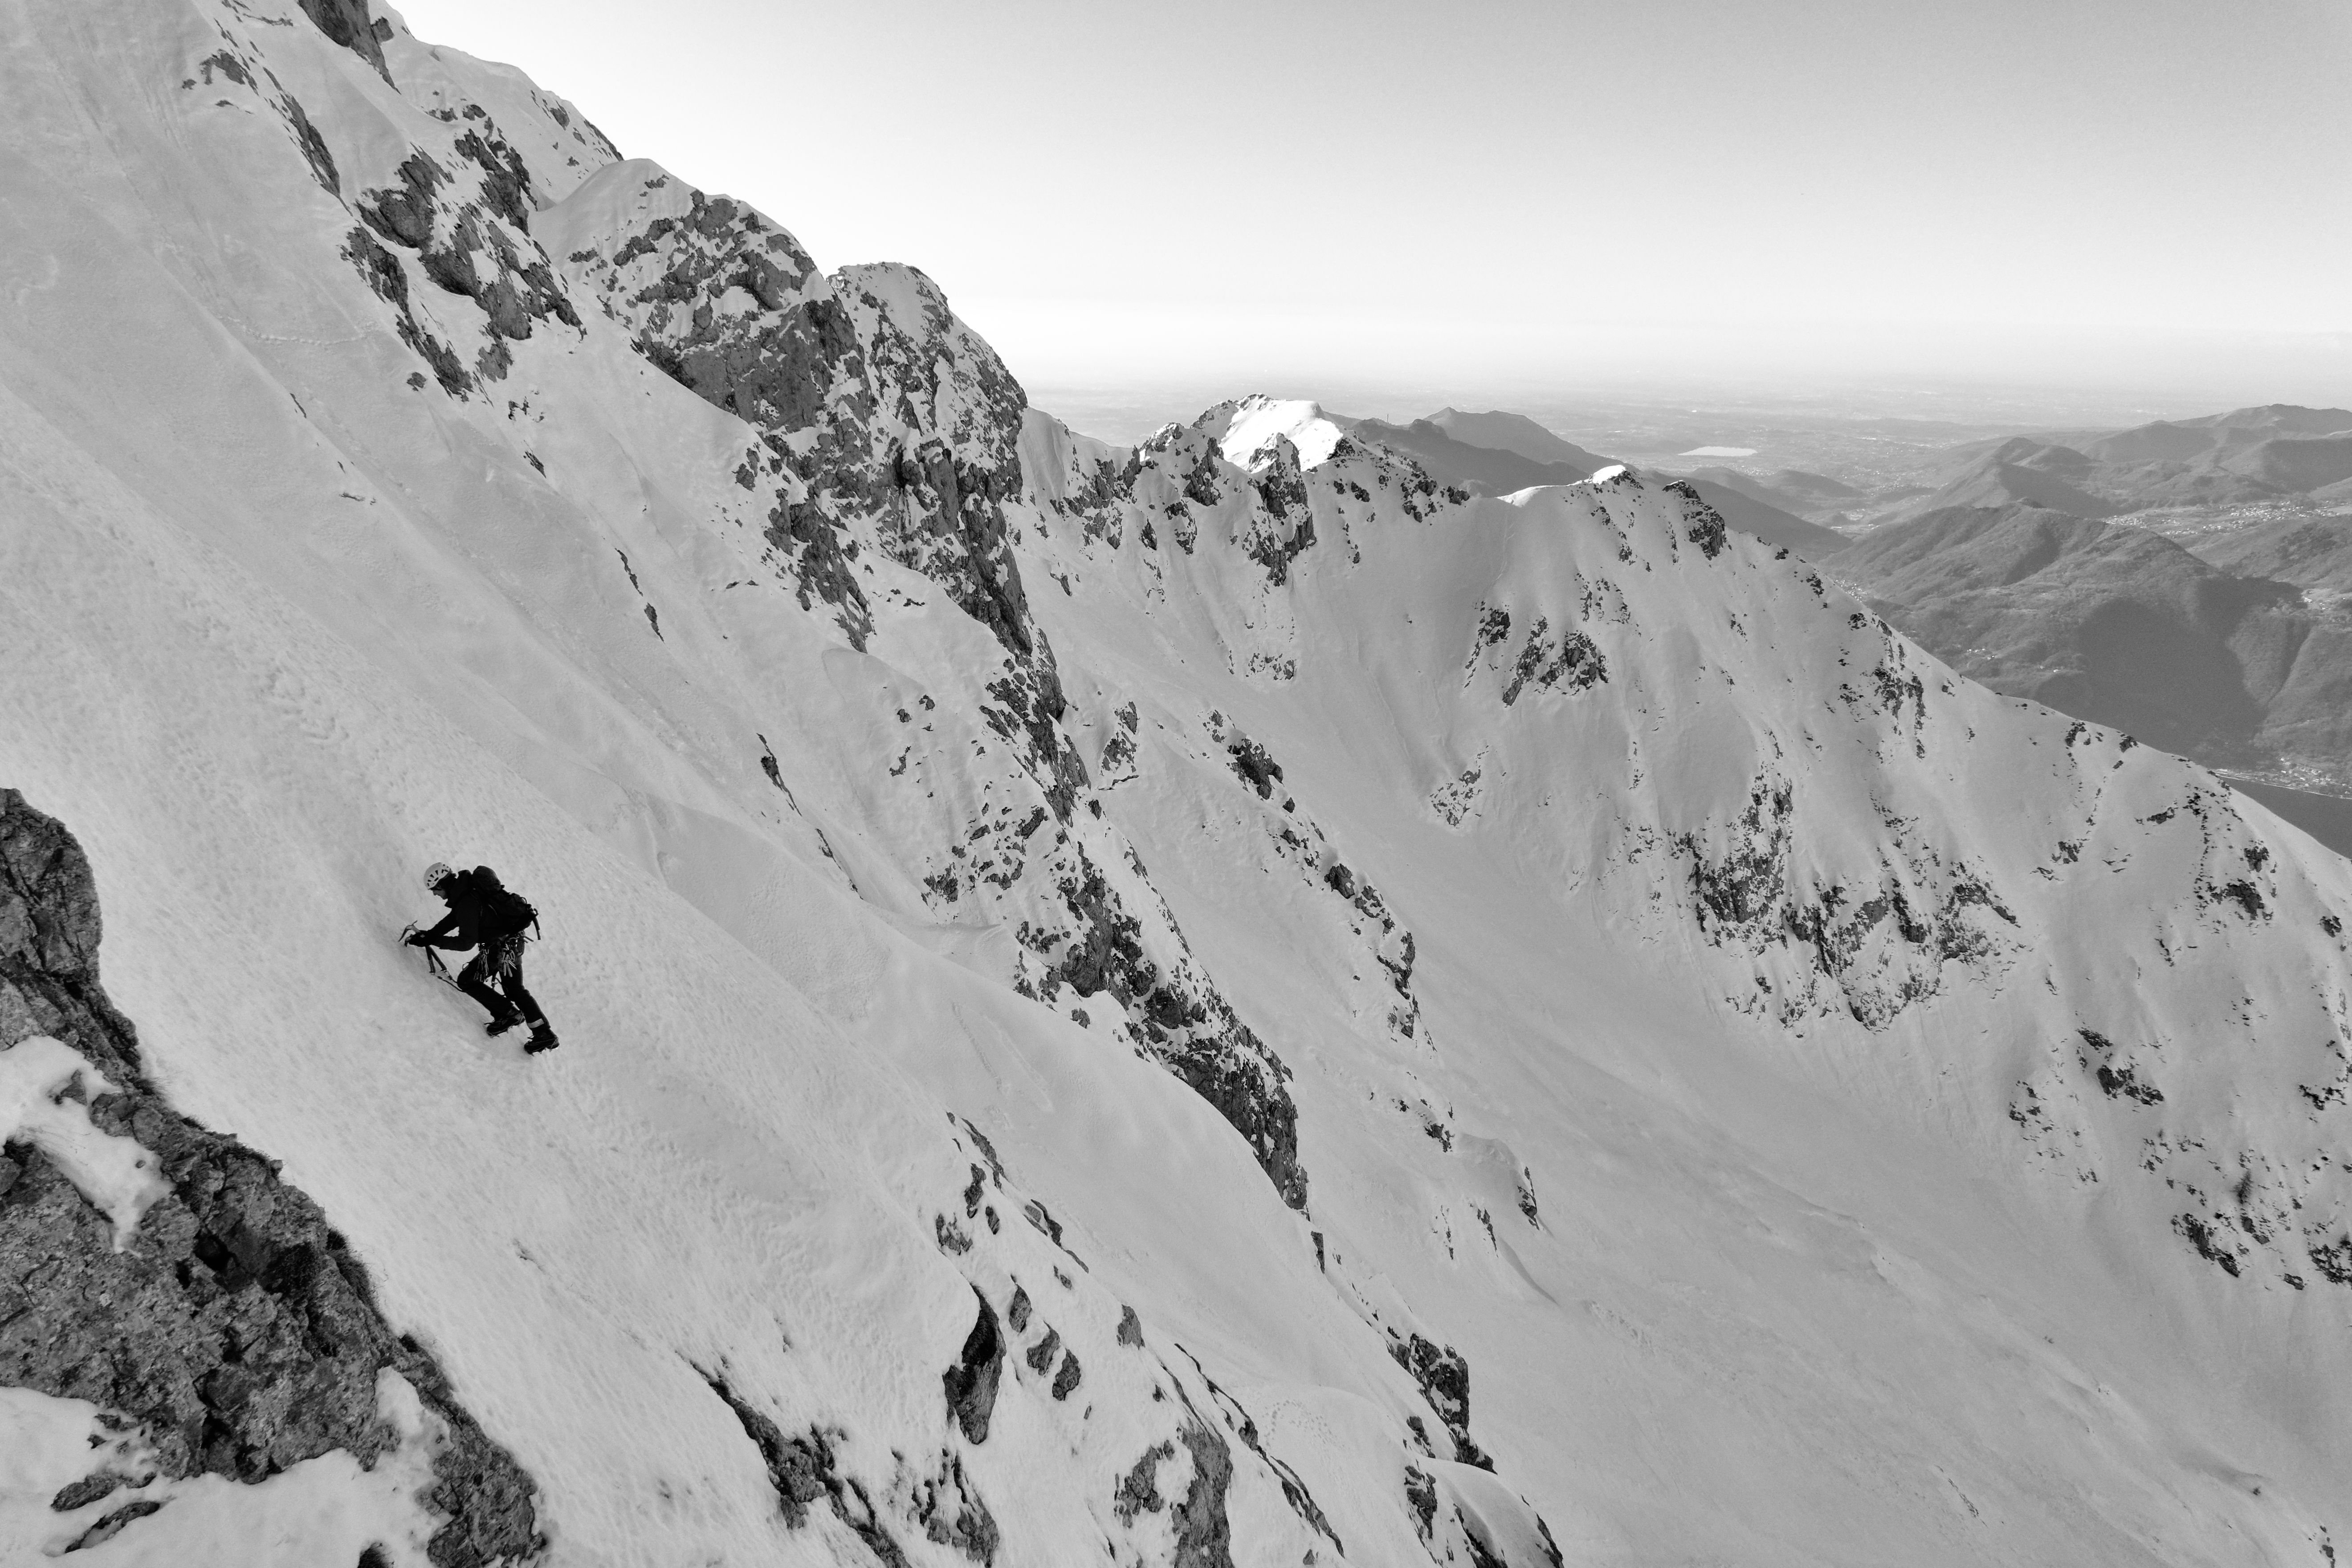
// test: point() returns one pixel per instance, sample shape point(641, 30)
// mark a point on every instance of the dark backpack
point(504, 912)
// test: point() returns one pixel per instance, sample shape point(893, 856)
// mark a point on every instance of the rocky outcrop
point(1702, 524)
point(803, 1469)
point(892, 424)
point(1571, 662)
point(1445, 1378)
point(881, 423)
point(1873, 949)
point(1203, 1534)
point(472, 242)
point(347, 23)
point(1180, 1019)
point(233, 1325)
point(970, 1383)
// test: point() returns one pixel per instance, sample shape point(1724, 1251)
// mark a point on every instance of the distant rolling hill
point(1453, 446)
point(2310, 551)
point(1489, 470)
point(1814, 497)
point(2249, 456)
point(2120, 626)
point(1503, 432)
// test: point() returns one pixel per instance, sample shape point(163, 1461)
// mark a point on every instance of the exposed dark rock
point(1130, 1327)
point(1743, 893)
point(1283, 527)
point(1138, 1491)
point(2209, 1241)
point(1256, 766)
point(1065, 1380)
point(952, 1513)
point(1574, 663)
point(1420, 1496)
point(1196, 1036)
point(107, 1528)
point(1702, 523)
point(235, 1327)
point(801, 1469)
point(1036, 1212)
point(384, 275)
point(1244, 1086)
point(404, 214)
point(1040, 1354)
point(345, 22)
point(970, 1383)
point(314, 148)
point(505, 180)
point(83, 1492)
point(1239, 1422)
point(2246, 895)
point(451, 238)
point(879, 418)
point(1445, 1379)
point(1481, 1554)
point(1017, 1314)
point(1203, 1535)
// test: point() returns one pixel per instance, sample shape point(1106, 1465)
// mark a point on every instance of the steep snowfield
point(1945, 1217)
point(1366, 986)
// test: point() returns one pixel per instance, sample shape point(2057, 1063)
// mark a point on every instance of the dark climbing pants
point(499, 961)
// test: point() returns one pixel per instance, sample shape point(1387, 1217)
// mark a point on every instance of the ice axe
point(432, 959)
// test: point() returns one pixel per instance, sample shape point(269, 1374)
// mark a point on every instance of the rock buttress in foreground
point(232, 1325)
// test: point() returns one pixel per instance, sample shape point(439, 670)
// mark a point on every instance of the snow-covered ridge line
point(884, 425)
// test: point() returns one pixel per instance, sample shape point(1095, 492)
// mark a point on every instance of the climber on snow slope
point(483, 913)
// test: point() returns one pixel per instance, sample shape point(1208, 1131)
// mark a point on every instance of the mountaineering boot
point(542, 1038)
point(499, 1025)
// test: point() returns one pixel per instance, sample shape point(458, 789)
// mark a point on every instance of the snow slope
point(1526, 1027)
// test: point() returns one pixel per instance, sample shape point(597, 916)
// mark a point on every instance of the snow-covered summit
point(1246, 430)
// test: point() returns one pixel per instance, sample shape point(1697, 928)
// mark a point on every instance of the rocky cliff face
point(226, 1329)
point(882, 425)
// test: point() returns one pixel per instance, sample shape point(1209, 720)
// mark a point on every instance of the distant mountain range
point(2233, 645)
point(2310, 551)
point(1815, 497)
point(1497, 454)
point(2246, 456)
point(1501, 432)
point(2118, 625)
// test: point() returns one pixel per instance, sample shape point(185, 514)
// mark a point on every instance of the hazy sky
point(1498, 192)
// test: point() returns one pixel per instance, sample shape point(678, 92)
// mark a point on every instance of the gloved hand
point(415, 939)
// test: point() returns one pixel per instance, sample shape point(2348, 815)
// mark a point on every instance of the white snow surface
point(45, 1091)
point(1247, 429)
point(1770, 1232)
point(323, 1511)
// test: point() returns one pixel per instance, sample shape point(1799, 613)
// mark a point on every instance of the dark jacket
point(470, 903)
